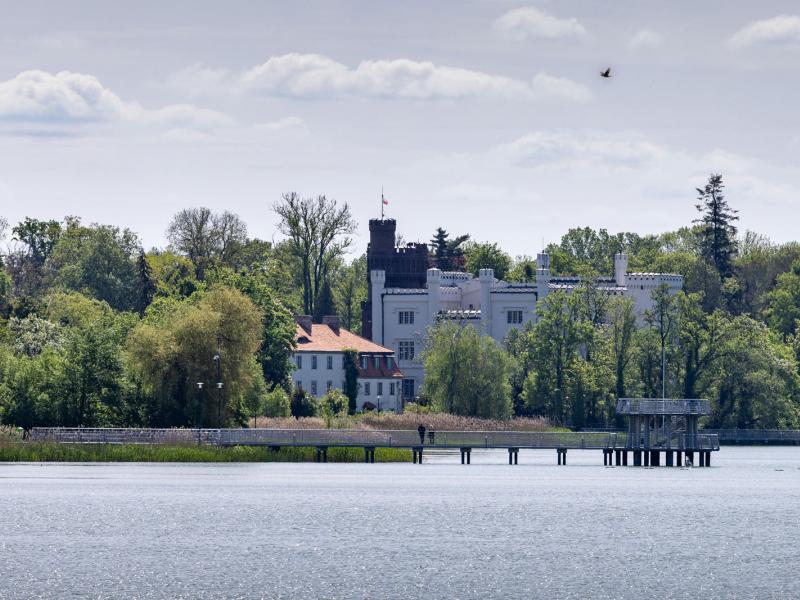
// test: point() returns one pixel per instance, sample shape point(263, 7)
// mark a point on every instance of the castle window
point(405, 317)
point(405, 350)
point(514, 317)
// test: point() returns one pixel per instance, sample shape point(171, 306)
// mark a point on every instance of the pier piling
point(513, 456)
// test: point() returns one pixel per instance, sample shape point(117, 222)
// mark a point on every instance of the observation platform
point(667, 426)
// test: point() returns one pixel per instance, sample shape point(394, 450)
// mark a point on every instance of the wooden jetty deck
point(612, 444)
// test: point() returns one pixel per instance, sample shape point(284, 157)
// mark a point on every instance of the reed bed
point(51, 452)
point(437, 421)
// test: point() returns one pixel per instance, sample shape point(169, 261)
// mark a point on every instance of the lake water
point(437, 530)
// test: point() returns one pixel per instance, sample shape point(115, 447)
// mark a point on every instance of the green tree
point(554, 343)
point(350, 359)
point(718, 231)
point(447, 254)
point(754, 382)
point(662, 317)
point(33, 335)
point(207, 238)
point(466, 373)
point(276, 403)
point(523, 270)
point(318, 231)
point(333, 404)
point(486, 256)
point(146, 287)
point(350, 291)
point(278, 325)
point(173, 348)
point(99, 261)
point(783, 303)
point(303, 404)
point(622, 327)
point(40, 237)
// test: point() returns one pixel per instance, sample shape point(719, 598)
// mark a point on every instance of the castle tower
point(542, 275)
point(621, 269)
point(486, 277)
point(404, 267)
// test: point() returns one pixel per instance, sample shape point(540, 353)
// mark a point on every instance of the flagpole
point(382, 203)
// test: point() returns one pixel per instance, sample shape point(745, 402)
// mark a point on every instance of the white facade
point(317, 372)
point(401, 317)
point(319, 365)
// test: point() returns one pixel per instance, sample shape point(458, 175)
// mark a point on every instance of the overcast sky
point(485, 117)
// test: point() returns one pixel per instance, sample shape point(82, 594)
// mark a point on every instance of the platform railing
point(651, 406)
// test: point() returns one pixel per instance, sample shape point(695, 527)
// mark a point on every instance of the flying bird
point(606, 73)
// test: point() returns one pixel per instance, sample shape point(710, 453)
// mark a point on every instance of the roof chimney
point(304, 321)
point(332, 321)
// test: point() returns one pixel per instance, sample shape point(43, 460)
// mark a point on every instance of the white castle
point(398, 316)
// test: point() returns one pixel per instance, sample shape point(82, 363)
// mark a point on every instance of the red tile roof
point(323, 338)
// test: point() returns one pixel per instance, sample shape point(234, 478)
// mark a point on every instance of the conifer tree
point(146, 283)
point(718, 231)
point(446, 252)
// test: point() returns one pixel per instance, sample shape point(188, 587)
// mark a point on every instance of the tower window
point(514, 317)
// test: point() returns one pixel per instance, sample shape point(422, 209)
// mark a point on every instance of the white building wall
point(460, 291)
point(306, 375)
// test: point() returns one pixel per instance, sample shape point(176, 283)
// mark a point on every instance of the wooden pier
point(613, 445)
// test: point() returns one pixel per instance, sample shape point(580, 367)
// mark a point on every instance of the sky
point(486, 117)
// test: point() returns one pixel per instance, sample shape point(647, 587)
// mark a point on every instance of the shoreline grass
point(52, 452)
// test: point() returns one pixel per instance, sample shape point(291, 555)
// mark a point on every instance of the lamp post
point(199, 407)
point(218, 360)
point(379, 404)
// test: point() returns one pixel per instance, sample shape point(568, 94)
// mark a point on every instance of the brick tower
point(405, 267)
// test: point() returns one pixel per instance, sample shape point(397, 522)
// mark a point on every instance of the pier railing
point(757, 436)
point(367, 438)
point(331, 437)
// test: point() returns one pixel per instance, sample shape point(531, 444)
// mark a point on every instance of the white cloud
point(317, 76)
point(66, 99)
point(567, 150)
point(65, 96)
point(645, 38)
point(283, 124)
point(780, 30)
point(529, 21)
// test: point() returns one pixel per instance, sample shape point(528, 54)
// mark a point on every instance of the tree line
point(95, 330)
point(731, 334)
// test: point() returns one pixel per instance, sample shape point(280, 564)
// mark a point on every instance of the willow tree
point(173, 349)
point(466, 373)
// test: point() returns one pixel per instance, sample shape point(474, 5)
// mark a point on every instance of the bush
point(304, 404)
point(277, 403)
point(334, 403)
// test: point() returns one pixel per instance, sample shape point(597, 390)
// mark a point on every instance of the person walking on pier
point(431, 434)
point(421, 430)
